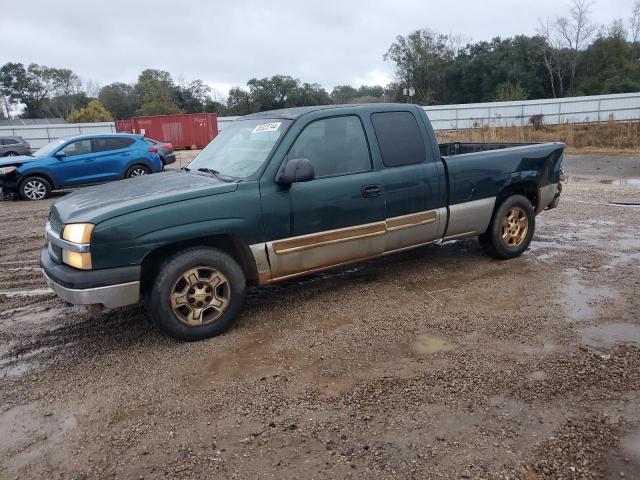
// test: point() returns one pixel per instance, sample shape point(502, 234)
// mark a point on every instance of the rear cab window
point(399, 138)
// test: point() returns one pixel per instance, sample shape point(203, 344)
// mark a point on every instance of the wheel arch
point(528, 189)
point(138, 161)
point(37, 173)
point(231, 244)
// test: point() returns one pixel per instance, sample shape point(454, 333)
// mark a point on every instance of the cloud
point(227, 42)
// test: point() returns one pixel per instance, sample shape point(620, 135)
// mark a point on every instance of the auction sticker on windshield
point(267, 127)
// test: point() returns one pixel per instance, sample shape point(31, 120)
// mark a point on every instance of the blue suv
point(78, 161)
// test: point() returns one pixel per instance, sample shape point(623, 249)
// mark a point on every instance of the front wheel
point(34, 188)
point(197, 294)
point(511, 228)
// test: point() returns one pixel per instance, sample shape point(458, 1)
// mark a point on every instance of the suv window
point(399, 137)
point(105, 144)
point(335, 146)
point(79, 147)
point(10, 141)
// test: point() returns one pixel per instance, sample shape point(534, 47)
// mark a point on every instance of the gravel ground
point(436, 363)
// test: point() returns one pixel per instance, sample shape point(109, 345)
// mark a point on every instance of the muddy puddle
point(428, 345)
point(27, 433)
point(630, 447)
point(582, 302)
point(624, 182)
point(616, 182)
point(610, 335)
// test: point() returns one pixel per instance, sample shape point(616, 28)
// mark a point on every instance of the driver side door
point(336, 218)
point(75, 167)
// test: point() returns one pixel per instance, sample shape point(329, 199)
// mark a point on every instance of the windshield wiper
point(218, 175)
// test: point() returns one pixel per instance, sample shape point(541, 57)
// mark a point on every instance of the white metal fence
point(39, 135)
point(598, 108)
point(553, 111)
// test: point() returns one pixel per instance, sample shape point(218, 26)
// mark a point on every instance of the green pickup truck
point(286, 193)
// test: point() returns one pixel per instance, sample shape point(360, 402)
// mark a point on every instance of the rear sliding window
point(399, 137)
point(106, 144)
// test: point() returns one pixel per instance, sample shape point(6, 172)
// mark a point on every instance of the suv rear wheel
point(137, 171)
point(196, 294)
point(511, 228)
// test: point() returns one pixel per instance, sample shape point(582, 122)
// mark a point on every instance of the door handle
point(371, 191)
point(125, 154)
point(89, 160)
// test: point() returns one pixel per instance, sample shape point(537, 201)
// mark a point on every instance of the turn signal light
point(77, 259)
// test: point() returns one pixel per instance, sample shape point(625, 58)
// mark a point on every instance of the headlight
point(7, 170)
point(78, 232)
point(77, 259)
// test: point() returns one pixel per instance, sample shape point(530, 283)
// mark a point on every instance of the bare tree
point(92, 88)
point(576, 32)
point(5, 107)
point(552, 56)
point(634, 27)
point(456, 42)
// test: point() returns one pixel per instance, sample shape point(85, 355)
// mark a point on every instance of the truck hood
point(96, 204)
point(18, 160)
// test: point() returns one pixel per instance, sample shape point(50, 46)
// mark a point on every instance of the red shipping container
point(181, 131)
point(123, 126)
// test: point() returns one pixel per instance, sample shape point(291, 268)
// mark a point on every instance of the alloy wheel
point(515, 227)
point(200, 296)
point(138, 172)
point(34, 190)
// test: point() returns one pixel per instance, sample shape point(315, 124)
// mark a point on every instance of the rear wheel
point(197, 294)
point(34, 188)
point(11, 154)
point(137, 171)
point(511, 228)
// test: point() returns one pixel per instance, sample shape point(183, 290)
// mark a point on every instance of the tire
point(137, 170)
point(511, 228)
point(11, 154)
point(34, 188)
point(186, 304)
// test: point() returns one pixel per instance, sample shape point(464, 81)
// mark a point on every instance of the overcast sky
point(225, 43)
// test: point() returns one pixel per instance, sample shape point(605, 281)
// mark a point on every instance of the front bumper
point(110, 287)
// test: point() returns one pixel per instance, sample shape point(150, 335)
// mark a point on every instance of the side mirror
point(60, 154)
point(295, 170)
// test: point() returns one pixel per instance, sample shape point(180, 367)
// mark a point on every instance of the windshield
point(241, 148)
point(49, 148)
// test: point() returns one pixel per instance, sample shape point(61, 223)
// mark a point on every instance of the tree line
point(568, 56)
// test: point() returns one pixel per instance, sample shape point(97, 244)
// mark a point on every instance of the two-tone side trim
point(330, 237)
point(292, 257)
point(411, 220)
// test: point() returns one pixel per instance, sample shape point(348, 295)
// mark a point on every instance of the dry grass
point(607, 138)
